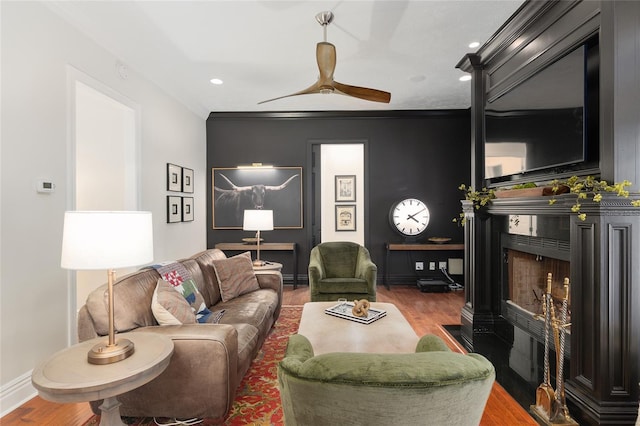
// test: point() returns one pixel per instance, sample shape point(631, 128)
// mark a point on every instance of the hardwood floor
point(424, 311)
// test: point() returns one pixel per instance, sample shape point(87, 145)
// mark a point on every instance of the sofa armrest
point(86, 329)
point(367, 270)
point(298, 350)
point(316, 271)
point(202, 373)
point(431, 343)
point(270, 279)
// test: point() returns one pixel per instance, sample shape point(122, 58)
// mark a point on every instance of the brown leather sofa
point(209, 360)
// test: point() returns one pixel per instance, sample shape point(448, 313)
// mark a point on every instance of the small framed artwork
point(187, 180)
point(346, 217)
point(174, 178)
point(345, 188)
point(187, 209)
point(174, 209)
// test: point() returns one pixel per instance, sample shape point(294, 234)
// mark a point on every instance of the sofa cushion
point(240, 311)
point(235, 276)
point(169, 307)
point(205, 262)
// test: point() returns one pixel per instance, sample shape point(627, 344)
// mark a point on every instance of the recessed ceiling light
point(474, 44)
point(215, 81)
point(466, 77)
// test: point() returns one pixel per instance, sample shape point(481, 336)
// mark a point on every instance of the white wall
point(37, 48)
point(341, 159)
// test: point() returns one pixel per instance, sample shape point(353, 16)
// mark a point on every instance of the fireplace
point(532, 247)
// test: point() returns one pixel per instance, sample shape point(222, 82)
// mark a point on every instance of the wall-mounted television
point(545, 124)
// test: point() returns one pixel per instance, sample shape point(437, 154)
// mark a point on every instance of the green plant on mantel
point(588, 186)
point(479, 199)
point(584, 188)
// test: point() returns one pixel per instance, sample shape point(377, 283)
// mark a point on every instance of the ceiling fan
point(326, 58)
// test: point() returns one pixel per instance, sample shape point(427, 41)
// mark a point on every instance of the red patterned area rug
point(257, 399)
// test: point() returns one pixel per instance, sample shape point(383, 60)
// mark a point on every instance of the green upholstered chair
point(432, 386)
point(341, 269)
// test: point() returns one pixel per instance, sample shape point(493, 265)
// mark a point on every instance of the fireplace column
point(605, 359)
point(478, 313)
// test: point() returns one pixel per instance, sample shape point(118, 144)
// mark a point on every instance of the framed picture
point(187, 209)
point(238, 189)
point(174, 178)
point(346, 217)
point(174, 209)
point(187, 180)
point(346, 188)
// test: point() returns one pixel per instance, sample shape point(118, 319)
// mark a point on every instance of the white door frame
point(75, 76)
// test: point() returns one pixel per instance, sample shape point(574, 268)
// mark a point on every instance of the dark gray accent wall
point(424, 154)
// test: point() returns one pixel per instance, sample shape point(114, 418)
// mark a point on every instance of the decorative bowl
point(439, 240)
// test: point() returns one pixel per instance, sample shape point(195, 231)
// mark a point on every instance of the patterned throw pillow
point(169, 307)
point(235, 276)
point(176, 275)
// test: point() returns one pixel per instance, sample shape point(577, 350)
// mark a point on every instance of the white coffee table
point(327, 333)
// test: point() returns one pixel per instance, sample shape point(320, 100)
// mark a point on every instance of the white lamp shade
point(258, 220)
point(106, 240)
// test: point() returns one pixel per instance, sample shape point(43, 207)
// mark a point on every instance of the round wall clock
point(409, 217)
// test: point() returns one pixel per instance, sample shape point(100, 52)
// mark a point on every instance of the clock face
point(409, 217)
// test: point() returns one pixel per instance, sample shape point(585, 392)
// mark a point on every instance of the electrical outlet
point(432, 266)
point(419, 266)
point(442, 265)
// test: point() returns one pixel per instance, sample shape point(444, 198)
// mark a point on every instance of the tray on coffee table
point(344, 310)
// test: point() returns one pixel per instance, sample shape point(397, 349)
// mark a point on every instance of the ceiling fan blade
point(326, 58)
point(315, 88)
point(363, 93)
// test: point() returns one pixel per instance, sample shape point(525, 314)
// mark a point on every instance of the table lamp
point(258, 220)
point(107, 240)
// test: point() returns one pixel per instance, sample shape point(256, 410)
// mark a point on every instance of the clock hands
point(413, 216)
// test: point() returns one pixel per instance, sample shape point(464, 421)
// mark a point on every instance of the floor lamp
point(258, 220)
point(94, 240)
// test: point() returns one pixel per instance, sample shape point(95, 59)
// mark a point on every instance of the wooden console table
point(292, 247)
point(414, 247)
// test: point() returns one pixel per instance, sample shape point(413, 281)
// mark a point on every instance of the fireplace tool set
point(551, 405)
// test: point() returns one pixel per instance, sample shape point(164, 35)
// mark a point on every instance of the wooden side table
point(68, 377)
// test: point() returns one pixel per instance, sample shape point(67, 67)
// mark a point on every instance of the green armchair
point(432, 386)
point(341, 269)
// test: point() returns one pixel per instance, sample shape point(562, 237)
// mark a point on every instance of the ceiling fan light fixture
point(324, 18)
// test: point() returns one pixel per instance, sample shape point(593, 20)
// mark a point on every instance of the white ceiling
point(265, 49)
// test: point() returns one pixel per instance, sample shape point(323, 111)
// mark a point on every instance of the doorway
point(338, 192)
point(103, 171)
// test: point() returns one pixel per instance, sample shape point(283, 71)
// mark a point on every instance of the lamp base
point(103, 353)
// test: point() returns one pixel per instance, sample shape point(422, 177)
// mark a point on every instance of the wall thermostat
point(45, 186)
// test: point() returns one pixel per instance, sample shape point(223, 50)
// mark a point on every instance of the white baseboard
point(15, 393)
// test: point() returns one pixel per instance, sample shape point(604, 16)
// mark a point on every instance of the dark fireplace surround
point(602, 386)
point(596, 254)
